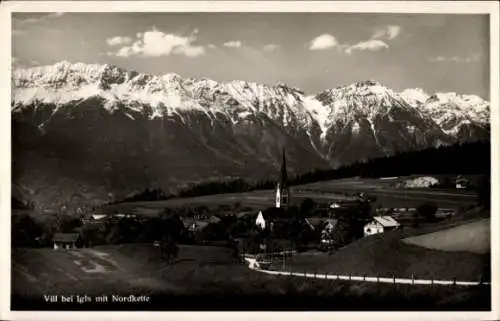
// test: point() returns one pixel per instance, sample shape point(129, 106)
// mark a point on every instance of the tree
point(427, 211)
point(66, 223)
point(24, 231)
point(342, 233)
point(484, 192)
point(307, 206)
point(168, 249)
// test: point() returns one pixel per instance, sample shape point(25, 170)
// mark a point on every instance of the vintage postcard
point(334, 158)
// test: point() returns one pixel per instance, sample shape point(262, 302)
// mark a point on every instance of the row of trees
point(208, 188)
point(464, 158)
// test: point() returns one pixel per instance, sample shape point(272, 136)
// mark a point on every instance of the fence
point(254, 265)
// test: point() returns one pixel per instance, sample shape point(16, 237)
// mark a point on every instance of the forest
point(465, 158)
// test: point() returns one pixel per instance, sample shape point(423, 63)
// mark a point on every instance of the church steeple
point(282, 190)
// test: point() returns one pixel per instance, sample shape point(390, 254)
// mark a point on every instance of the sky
point(311, 51)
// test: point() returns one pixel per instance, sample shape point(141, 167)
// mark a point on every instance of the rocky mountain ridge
point(100, 125)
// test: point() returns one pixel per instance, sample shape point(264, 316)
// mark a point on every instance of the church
point(268, 217)
point(282, 189)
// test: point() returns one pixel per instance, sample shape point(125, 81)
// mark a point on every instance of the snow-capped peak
point(167, 94)
point(414, 96)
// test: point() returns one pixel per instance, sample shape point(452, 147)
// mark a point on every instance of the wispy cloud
point(118, 41)
point(388, 32)
point(41, 19)
point(376, 42)
point(212, 46)
point(233, 44)
point(271, 47)
point(371, 45)
point(325, 41)
point(457, 59)
point(155, 43)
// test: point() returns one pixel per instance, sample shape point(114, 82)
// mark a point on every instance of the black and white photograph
point(320, 160)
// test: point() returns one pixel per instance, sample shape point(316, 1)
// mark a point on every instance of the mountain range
point(89, 133)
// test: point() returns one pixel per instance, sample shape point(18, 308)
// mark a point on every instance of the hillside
point(387, 254)
point(206, 278)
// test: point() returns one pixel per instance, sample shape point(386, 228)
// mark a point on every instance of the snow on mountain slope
point(414, 96)
point(92, 123)
point(371, 117)
point(463, 117)
point(63, 83)
point(169, 94)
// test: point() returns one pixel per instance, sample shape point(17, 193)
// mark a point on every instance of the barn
point(380, 224)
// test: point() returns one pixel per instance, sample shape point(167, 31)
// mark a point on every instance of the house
point(260, 221)
point(461, 183)
point(93, 218)
point(380, 224)
point(268, 218)
point(65, 240)
point(198, 223)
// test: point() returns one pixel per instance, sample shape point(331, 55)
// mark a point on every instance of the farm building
point(65, 240)
point(380, 224)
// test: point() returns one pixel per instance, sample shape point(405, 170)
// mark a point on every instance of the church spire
point(284, 182)
point(282, 190)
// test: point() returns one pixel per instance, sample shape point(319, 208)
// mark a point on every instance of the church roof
point(274, 213)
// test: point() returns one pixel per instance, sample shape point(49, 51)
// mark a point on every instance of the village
point(284, 227)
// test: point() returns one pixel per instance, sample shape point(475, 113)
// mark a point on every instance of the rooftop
point(65, 237)
point(386, 221)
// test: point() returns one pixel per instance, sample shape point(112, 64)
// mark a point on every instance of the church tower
point(282, 190)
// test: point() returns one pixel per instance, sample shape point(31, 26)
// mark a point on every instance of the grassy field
point(207, 278)
point(387, 254)
point(321, 192)
point(471, 237)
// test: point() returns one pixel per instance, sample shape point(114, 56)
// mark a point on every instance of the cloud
point(233, 44)
point(18, 24)
point(322, 42)
point(118, 41)
point(271, 47)
point(212, 46)
point(457, 59)
point(376, 42)
point(155, 43)
point(371, 45)
point(388, 32)
point(40, 19)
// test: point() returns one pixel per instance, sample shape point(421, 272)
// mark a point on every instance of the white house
point(380, 224)
point(260, 221)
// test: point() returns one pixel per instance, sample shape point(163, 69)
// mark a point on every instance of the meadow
point(322, 193)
